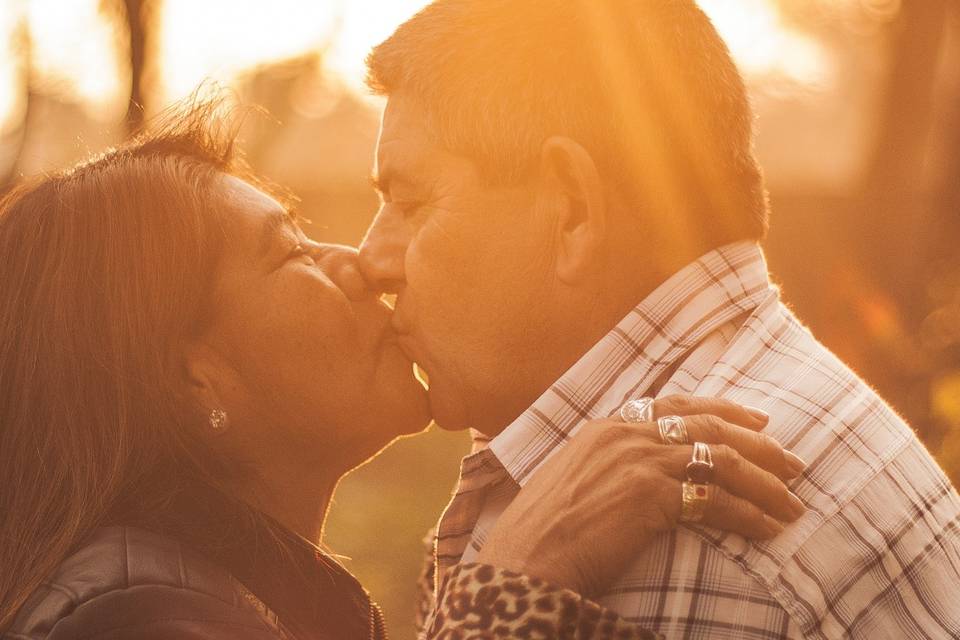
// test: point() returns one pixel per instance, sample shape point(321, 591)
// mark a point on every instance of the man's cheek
point(435, 274)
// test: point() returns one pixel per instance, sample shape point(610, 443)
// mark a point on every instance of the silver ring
point(637, 410)
point(673, 430)
point(700, 467)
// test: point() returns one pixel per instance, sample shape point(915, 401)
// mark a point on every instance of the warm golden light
point(76, 49)
point(763, 45)
point(248, 33)
point(220, 38)
point(74, 53)
point(10, 99)
point(365, 24)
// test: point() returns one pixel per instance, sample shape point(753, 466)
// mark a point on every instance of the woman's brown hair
point(104, 269)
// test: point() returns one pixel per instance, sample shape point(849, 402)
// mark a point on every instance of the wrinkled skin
point(582, 516)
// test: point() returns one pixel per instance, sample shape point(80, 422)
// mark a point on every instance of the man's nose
point(341, 264)
point(383, 251)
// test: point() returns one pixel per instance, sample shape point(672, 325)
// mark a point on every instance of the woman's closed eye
point(302, 253)
point(416, 213)
point(410, 209)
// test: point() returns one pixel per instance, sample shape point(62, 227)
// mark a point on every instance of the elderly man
point(570, 215)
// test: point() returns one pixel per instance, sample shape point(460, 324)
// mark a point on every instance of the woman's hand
point(596, 503)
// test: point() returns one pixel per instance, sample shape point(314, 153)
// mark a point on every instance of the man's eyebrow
point(272, 226)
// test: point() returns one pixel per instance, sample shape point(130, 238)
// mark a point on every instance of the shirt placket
point(479, 472)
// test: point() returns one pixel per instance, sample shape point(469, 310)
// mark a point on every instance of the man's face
point(470, 264)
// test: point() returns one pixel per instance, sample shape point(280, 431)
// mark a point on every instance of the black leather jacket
point(208, 570)
point(221, 576)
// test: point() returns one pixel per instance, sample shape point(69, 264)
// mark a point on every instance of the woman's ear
point(203, 371)
point(572, 184)
point(216, 386)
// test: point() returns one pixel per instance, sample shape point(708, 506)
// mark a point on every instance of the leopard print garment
point(480, 602)
point(425, 583)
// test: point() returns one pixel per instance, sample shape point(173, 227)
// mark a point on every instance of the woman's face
point(306, 370)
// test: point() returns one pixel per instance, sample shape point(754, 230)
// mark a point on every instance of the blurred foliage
point(383, 511)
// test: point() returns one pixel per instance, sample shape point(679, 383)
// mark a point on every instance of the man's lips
point(408, 347)
point(401, 330)
point(397, 323)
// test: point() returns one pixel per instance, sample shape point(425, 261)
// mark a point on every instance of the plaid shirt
point(876, 556)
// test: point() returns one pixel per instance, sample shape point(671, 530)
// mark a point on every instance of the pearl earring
point(218, 420)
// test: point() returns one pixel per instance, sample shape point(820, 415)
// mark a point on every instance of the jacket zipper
point(378, 626)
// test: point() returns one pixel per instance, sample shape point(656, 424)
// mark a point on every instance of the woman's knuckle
point(734, 463)
point(633, 430)
point(715, 428)
point(720, 502)
point(678, 403)
point(662, 407)
point(658, 457)
point(770, 448)
point(766, 442)
point(627, 433)
point(724, 453)
point(637, 455)
point(615, 434)
point(647, 482)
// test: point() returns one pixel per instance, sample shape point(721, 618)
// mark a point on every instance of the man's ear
point(572, 184)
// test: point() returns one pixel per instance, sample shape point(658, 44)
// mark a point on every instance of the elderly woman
point(185, 377)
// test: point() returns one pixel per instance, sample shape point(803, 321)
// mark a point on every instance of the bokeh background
point(858, 120)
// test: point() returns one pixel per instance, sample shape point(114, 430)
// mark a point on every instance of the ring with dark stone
point(699, 472)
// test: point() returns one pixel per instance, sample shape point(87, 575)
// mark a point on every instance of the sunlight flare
point(78, 51)
point(763, 45)
point(75, 55)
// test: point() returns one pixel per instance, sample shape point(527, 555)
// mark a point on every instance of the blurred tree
point(317, 139)
point(896, 242)
point(905, 214)
point(137, 17)
point(905, 227)
point(17, 138)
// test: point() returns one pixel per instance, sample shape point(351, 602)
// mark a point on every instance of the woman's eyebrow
point(272, 226)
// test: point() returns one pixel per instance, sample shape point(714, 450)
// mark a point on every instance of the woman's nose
point(383, 252)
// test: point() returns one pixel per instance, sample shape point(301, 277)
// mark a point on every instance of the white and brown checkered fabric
point(876, 556)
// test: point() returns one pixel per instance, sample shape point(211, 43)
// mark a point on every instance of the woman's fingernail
point(795, 463)
point(758, 414)
point(797, 505)
point(774, 528)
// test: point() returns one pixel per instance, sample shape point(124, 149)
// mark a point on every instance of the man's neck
point(578, 328)
point(581, 321)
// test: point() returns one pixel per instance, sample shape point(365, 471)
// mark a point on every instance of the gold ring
point(694, 501)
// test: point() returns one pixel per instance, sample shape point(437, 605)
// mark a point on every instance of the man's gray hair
point(646, 86)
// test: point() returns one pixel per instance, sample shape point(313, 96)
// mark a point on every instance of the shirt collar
point(691, 304)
